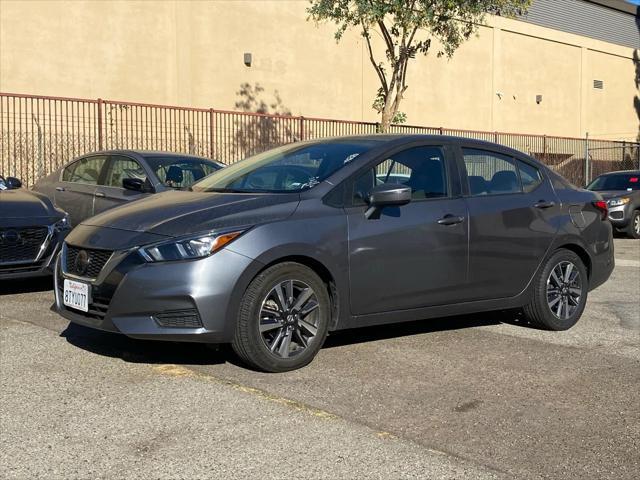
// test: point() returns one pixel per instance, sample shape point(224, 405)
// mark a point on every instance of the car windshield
point(291, 168)
point(619, 181)
point(180, 172)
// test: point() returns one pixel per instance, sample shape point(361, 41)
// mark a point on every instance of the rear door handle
point(450, 220)
point(100, 194)
point(544, 204)
point(60, 189)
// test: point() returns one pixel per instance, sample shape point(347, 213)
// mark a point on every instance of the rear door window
point(529, 176)
point(490, 173)
point(121, 168)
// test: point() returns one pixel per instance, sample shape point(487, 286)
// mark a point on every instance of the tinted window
point(86, 170)
point(529, 176)
point(490, 173)
point(421, 168)
point(121, 168)
point(291, 168)
point(618, 181)
point(180, 172)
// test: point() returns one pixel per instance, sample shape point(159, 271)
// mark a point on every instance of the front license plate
point(76, 295)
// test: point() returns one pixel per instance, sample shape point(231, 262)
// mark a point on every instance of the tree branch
point(379, 71)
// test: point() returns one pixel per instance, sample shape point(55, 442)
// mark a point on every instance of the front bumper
point(620, 216)
point(42, 266)
point(175, 301)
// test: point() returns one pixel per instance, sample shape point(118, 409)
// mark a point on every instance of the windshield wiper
point(227, 190)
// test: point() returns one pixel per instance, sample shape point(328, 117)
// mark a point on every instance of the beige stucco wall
point(191, 53)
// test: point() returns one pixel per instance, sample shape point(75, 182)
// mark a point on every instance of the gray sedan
point(273, 252)
point(96, 182)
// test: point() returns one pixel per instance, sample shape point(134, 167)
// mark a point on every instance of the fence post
point(441, 130)
point(211, 132)
point(99, 124)
point(301, 128)
point(495, 137)
point(544, 148)
point(587, 163)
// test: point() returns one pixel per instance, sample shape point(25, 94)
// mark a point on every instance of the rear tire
point(633, 229)
point(283, 318)
point(559, 292)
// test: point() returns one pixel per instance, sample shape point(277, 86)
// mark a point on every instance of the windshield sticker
point(349, 158)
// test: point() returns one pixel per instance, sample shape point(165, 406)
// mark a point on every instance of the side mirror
point(13, 182)
point(387, 195)
point(137, 185)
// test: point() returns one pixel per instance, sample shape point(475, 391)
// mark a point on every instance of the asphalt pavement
point(478, 396)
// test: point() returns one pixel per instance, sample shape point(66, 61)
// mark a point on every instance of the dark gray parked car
point(99, 181)
point(621, 190)
point(273, 252)
point(31, 231)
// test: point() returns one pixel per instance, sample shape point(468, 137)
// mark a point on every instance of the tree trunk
point(385, 123)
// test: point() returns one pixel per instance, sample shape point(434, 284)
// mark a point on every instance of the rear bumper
point(602, 260)
point(173, 301)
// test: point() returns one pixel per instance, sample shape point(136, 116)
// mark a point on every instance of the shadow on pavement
point(26, 285)
point(185, 353)
point(144, 351)
point(394, 330)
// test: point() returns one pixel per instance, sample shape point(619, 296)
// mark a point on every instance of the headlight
point(616, 202)
point(62, 225)
point(188, 248)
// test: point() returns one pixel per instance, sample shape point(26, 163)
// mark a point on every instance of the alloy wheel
point(636, 224)
point(289, 318)
point(564, 290)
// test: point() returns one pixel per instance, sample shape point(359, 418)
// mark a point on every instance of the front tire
point(633, 229)
point(283, 318)
point(560, 292)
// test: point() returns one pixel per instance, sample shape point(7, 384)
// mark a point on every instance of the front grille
point(21, 244)
point(96, 260)
point(15, 269)
point(179, 319)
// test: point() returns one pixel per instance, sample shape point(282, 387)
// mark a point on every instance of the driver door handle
point(450, 220)
point(99, 194)
point(544, 204)
point(60, 189)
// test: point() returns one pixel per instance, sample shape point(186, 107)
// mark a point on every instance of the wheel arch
point(323, 272)
point(581, 252)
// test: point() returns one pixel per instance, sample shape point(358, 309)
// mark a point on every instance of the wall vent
point(599, 84)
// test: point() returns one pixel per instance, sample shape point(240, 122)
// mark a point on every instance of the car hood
point(21, 203)
point(178, 213)
point(609, 194)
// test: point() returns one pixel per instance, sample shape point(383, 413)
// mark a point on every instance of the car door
point(511, 208)
point(75, 192)
point(110, 193)
point(414, 255)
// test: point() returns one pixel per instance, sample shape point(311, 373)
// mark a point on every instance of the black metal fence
point(38, 134)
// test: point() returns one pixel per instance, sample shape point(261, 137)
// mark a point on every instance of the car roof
point(151, 153)
point(408, 138)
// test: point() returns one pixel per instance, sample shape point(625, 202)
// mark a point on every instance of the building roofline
point(619, 5)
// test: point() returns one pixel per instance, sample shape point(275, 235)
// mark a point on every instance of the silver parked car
point(96, 182)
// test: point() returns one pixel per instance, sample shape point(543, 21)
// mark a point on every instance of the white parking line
point(627, 263)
